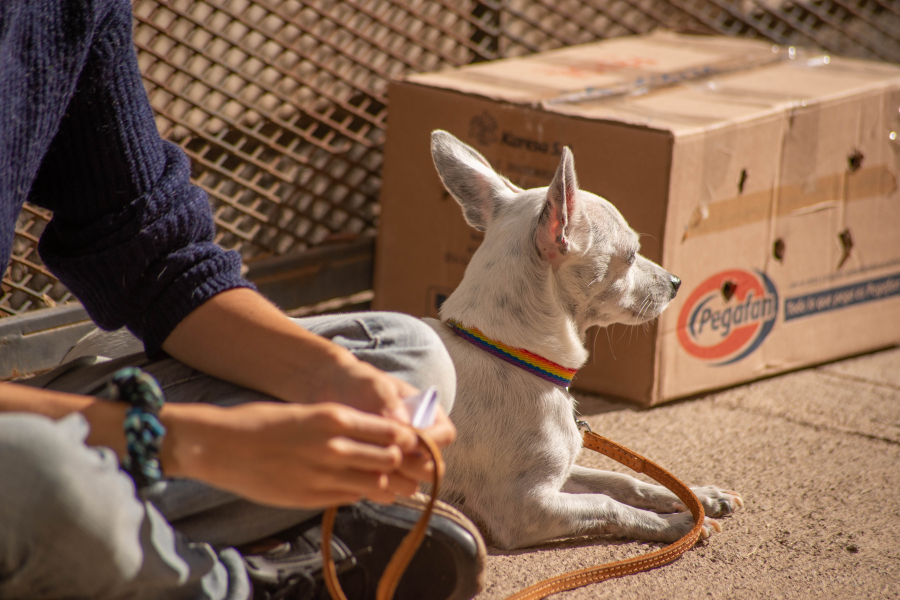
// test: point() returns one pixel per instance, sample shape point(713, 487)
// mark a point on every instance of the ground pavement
point(816, 455)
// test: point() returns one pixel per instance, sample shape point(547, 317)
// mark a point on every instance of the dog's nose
point(676, 283)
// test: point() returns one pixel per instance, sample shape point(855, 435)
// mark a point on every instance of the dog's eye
point(632, 258)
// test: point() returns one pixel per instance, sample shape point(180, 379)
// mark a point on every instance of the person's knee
point(402, 331)
point(419, 348)
point(65, 509)
point(396, 343)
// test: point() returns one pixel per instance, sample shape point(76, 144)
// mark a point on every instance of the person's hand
point(418, 465)
point(280, 358)
point(345, 379)
point(364, 387)
point(291, 455)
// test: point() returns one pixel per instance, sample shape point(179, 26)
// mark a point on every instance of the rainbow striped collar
point(534, 364)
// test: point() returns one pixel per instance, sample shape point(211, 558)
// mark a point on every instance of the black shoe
point(447, 566)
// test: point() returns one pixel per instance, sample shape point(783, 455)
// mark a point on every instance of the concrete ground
point(816, 456)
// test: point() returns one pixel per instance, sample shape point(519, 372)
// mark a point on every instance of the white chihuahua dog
point(554, 262)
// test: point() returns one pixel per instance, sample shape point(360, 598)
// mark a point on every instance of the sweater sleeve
point(131, 237)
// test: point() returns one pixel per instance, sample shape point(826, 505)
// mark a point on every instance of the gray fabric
point(70, 523)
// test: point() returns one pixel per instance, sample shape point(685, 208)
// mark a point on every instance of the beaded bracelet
point(143, 430)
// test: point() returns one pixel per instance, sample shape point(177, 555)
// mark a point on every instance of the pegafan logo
point(728, 316)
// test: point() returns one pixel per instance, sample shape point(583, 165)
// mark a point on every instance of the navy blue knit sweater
point(130, 236)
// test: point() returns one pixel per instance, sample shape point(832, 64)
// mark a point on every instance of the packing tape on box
point(748, 208)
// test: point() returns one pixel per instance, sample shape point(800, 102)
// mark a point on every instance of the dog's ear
point(557, 216)
point(469, 178)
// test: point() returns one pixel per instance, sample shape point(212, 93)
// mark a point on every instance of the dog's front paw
point(716, 502)
point(709, 524)
point(679, 524)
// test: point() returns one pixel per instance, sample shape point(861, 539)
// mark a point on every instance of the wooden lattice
point(281, 104)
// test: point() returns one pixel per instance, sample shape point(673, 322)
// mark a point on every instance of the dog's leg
point(634, 492)
point(540, 518)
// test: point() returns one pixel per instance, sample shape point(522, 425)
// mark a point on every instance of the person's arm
point(133, 239)
point(288, 455)
point(239, 336)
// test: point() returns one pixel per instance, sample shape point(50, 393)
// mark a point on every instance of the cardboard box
point(764, 177)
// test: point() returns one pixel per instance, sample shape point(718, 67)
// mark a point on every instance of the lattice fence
point(281, 104)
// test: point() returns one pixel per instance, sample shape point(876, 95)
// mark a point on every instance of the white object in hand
point(422, 407)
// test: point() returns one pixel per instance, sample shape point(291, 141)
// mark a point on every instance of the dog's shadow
point(590, 404)
point(602, 541)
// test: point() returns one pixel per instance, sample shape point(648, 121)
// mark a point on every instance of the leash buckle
point(583, 426)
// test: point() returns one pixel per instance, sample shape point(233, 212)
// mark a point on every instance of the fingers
point(398, 412)
point(379, 487)
point(402, 485)
point(443, 432)
point(375, 444)
point(362, 386)
point(364, 484)
point(414, 466)
point(369, 442)
point(349, 453)
point(296, 455)
point(404, 388)
point(395, 408)
point(417, 467)
point(388, 393)
point(344, 421)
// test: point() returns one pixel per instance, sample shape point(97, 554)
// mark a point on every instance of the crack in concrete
point(816, 426)
point(858, 379)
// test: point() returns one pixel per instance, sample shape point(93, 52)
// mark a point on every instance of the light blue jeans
point(72, 525)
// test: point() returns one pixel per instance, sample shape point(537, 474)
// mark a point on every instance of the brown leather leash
point(567, 581)
point(405, 551)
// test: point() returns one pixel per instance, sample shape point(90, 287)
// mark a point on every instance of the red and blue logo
point(728, 316)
